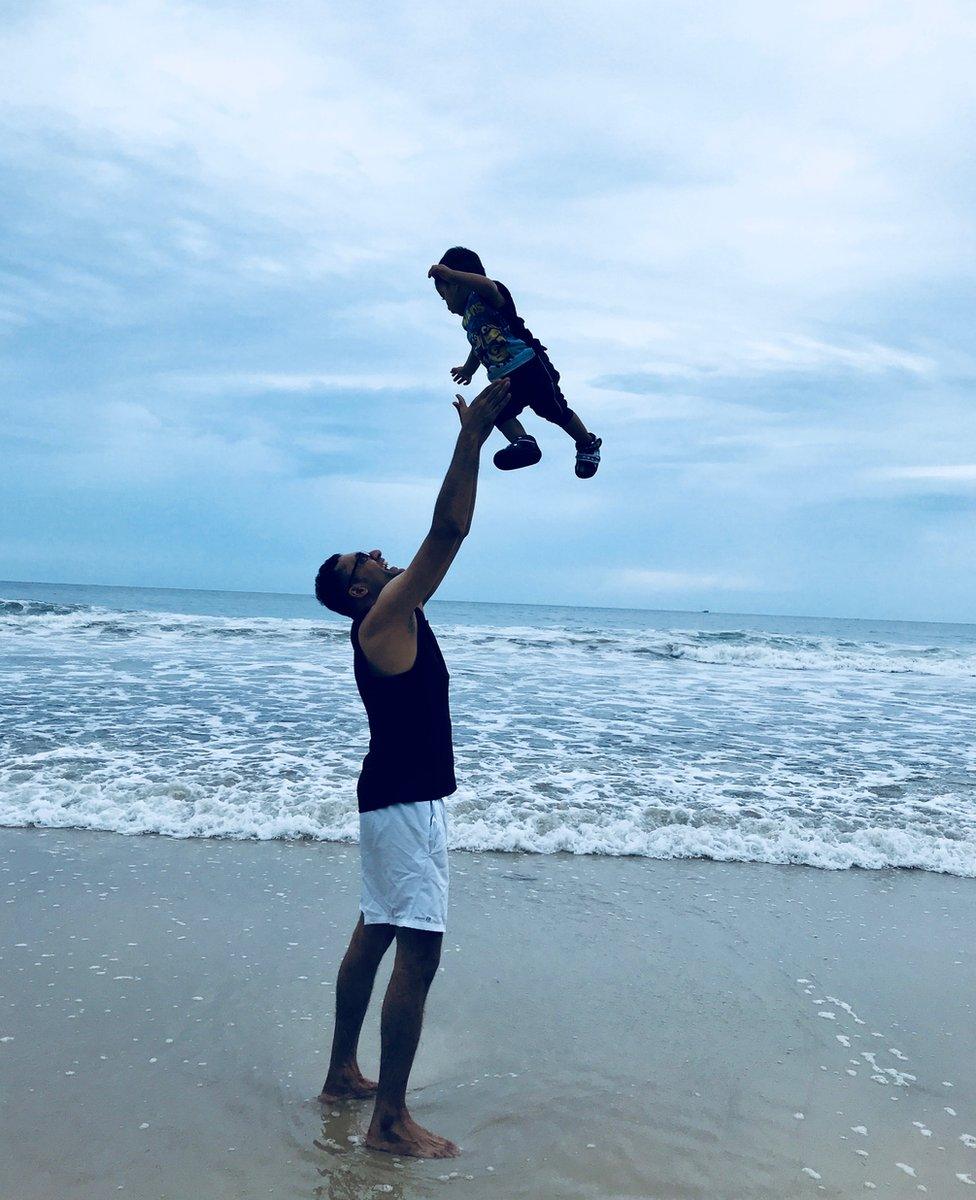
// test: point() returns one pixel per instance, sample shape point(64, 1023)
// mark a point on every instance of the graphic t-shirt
point(490, 333)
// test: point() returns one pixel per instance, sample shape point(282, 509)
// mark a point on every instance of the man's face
point(453, 295)
point(367, 570)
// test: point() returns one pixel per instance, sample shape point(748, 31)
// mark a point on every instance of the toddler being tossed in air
point(502, 344)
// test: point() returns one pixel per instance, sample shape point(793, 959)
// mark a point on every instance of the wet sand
point(599, 1028)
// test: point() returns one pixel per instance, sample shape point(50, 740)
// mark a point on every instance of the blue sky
point(744, 231)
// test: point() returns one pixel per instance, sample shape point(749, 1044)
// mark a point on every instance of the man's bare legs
point(392, 1128)
point(418, 954)
point(353, 989)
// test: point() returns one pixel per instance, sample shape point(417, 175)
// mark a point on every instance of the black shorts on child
point(532, 386)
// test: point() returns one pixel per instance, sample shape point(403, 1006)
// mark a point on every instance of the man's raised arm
point(392, 614)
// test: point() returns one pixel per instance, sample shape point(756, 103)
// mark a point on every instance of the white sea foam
point(733, 745)
point(737, 648)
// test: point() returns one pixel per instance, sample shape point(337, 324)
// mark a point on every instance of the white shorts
point(403, 856)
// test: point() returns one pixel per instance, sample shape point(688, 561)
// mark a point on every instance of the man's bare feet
point(402, 1135)
point(350, 1084)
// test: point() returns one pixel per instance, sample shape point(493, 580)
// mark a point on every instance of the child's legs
point(513, 428)
point(547, 401)
point(507, 422)
point(576, 429)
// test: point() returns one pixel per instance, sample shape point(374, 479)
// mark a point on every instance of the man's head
point(349, 583)
point(458, 258)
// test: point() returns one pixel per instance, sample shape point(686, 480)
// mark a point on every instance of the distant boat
point(705, 610)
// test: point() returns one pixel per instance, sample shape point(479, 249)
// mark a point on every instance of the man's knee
point(420, 951)
point(369, 943)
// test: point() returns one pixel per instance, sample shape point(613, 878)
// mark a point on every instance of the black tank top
point(411, 754)
point(522, 331)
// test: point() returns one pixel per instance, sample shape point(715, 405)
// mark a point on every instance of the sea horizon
point(718, 612)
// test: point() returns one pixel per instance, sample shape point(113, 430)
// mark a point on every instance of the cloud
point(269, 381)
point(796, 354)
point(949, 475)
point(245, 115)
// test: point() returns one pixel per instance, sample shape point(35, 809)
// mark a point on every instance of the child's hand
point(439, 271)
point(461, 375)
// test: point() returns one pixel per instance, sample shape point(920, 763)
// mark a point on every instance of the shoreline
point(735, 855)
point(599, 1026)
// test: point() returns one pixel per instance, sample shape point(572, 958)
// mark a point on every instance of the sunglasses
point(361, 557)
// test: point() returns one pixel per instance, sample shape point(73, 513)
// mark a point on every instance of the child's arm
point(464, 373)
point(486, 288)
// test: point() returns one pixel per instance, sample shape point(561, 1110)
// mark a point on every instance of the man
point(408, 771)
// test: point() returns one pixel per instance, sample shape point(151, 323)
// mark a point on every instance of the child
point(504, 346)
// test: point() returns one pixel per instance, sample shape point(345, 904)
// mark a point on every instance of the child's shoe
point(523, 453)
point(588, 457)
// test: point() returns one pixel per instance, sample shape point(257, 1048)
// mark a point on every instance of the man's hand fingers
point(494, 395)
point(494, 389)
point(500, 396)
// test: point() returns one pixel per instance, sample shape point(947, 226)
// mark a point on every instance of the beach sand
point(600, 1027)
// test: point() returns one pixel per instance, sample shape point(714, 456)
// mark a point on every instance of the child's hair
point(458, 258)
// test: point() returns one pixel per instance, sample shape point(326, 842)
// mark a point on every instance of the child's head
point(458, 258)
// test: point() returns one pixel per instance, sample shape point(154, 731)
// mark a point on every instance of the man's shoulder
point(379, 624)
point(387, 645)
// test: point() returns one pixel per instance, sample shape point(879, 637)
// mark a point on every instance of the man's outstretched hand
point(480, 415)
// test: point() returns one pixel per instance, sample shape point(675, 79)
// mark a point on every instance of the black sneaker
point(523, 453)
point(588, 457)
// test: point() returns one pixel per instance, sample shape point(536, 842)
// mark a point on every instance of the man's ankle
point(386, 1114)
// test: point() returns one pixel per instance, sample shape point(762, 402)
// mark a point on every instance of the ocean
point(826, 743)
